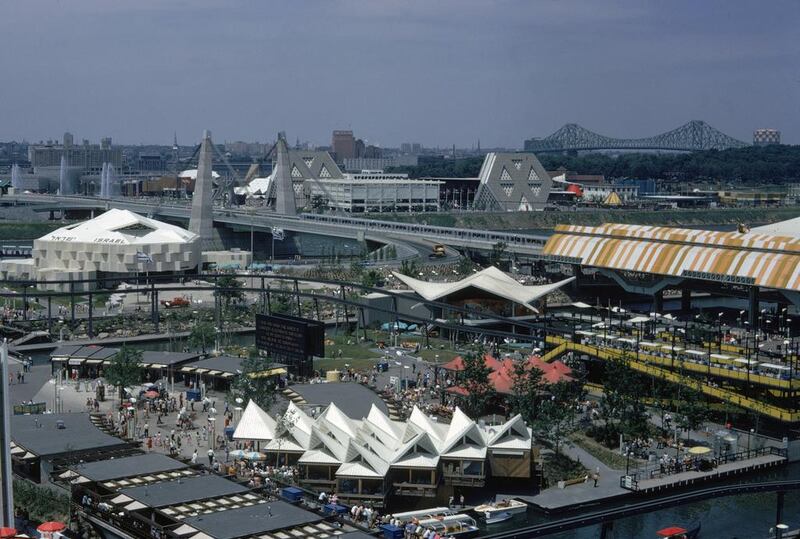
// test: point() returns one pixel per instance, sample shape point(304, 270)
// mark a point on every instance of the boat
point(513, 507)
point(459, 525)
point(677, 532)
point(421, 514)
point(495, 518)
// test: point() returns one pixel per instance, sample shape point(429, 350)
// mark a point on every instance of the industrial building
point(376, 192)
point(766, 137)
point(512, 182)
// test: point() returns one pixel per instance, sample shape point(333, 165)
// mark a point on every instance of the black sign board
point(291, 340)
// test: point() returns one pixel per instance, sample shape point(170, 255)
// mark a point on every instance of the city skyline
point(439, 74)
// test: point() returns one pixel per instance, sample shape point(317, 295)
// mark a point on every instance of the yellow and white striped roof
point(752, 258)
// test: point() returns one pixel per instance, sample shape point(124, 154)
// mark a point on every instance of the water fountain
point(16, 180)
point(104, 181)
point(111, 181)
point(63, 178)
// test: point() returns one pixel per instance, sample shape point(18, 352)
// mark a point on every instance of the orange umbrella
point(51, 527)
point(6, 533)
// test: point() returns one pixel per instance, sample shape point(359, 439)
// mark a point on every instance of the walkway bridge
point(690, 137)
point(328, 225)
point(658, 367)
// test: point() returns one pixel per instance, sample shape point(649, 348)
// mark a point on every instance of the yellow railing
point(563, 346)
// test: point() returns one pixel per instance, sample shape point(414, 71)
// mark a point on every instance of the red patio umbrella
point(47, 529)
point(151, 394)
point(7, 533)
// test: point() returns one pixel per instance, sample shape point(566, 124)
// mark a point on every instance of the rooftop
point(354, 400)
point(255, 519)
point(184, 490)
point(490, 280)
point(39, 435)
point(149, 463)
point(121, 227)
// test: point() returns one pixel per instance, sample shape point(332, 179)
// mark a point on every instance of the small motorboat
point(495, 518)
point(677, 532)
point(512, 507)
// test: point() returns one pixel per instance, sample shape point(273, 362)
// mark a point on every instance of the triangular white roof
point(255, 424)
point(790, 227)
point(490, 280)
point(191, 174)
point(121, 227)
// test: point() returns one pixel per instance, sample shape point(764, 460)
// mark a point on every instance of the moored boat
point(510, 506)
point(459, 525)
point(495, 518)
point(678, 532)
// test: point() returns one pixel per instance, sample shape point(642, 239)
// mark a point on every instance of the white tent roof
point(790, 227)
point(191, 174)
point(490, 280)
point(121, 227)
point(259, 186)
point(255, 424)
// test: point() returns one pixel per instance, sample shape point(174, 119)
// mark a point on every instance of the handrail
point(647, 506)
point(730, 396)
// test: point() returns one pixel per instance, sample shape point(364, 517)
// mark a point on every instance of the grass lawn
point(610, 458)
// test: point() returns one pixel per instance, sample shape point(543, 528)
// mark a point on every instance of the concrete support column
point(90, 329)
point(752, 312)
point(658, 301)
point(686, 300)
point(578, 273)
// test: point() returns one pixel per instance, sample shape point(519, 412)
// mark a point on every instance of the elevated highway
point(328, 225)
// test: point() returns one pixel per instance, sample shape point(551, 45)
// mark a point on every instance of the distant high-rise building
point(411, 147)
point(343, 144)
point(359, 149)
point(85, 157)
point(766, 137)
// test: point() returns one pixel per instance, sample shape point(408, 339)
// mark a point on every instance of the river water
point(743, 517)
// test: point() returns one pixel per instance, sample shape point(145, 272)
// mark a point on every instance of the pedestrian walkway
point(559, 499)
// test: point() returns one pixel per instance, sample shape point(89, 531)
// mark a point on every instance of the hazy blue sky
point(439, 72)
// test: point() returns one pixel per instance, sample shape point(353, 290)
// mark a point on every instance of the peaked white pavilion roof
point(790, 227)
point(191, 174)
point(255, 424)
point(121, 227)
point(491, 280)
point(371, 446)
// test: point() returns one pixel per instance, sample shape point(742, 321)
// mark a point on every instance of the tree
point(623, 402)
point(475, 380)
point(409, 267)
point(498, 253)
point(202, 335)
point(556, 415)
point(525, 391)
point(229, 288)
point(125, 369)
point(253, 383)
point(692, 411)
point(371, 278)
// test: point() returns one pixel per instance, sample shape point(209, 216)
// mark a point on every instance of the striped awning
point(728, 257)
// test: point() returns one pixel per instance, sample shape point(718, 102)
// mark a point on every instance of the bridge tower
point(282, 179)
point(202, 218)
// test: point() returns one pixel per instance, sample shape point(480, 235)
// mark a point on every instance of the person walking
point(210, 457)
point(194, 457)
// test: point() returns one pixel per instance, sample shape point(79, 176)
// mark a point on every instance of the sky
point(438, 72)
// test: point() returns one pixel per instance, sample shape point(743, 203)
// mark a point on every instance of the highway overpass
point(329, 225)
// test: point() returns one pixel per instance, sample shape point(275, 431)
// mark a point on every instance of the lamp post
point(719, 332)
